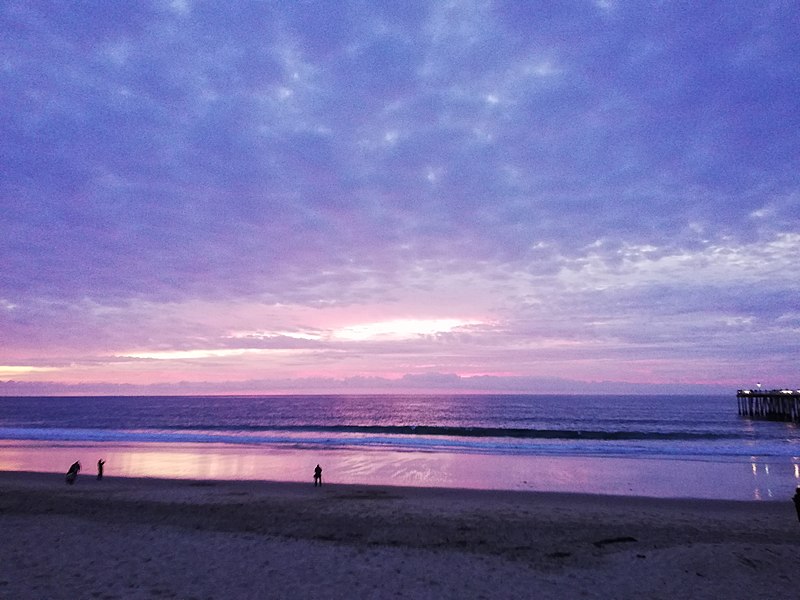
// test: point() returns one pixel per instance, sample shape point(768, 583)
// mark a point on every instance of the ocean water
point(646, 445)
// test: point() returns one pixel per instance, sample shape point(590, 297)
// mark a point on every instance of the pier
point(774, 405)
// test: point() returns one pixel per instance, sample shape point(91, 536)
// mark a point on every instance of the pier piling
point(773, 405)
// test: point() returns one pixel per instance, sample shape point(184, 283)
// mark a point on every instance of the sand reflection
point(746, 480)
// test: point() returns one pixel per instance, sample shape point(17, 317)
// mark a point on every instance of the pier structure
point(775, 405)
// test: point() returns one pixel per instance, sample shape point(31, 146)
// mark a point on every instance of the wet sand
point(769, 479)
point(151, 538)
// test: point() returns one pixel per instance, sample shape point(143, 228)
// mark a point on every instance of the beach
point(159, 538)
point(655, 446)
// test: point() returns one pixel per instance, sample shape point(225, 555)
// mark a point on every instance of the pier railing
point(775, 405)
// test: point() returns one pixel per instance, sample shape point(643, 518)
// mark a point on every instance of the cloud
point(438, 383)
point(565, 172)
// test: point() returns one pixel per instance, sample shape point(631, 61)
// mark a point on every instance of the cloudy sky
point(429, 196)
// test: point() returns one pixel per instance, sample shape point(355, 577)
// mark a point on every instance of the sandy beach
point(149, 538)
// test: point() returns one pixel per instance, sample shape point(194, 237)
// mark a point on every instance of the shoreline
point(87, 482)
point(766, 479)
point(145, 538)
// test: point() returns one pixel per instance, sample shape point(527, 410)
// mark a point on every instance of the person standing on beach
point(100, 464)
point(318, 476)
point(72, 474)
point(796, 500)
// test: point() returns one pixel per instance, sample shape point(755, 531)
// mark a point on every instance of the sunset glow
point(495, 196)
point(399, 329)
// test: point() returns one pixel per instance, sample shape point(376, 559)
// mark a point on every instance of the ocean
point(666, 446)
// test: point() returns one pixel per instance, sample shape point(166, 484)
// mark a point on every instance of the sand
point(149, 538)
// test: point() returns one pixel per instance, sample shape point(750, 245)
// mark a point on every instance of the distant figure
point(318, 476)
point(72, 474)
point(796, 500)
point(100, 464)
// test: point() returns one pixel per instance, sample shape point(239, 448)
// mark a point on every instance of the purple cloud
point(580, 171)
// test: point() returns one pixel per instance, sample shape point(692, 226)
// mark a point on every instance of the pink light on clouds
point(308, 197)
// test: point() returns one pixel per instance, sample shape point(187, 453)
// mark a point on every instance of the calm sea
point(352, 432)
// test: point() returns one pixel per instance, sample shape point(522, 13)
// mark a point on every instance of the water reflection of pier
point(775, 405)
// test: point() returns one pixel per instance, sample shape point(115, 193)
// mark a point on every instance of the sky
point(368, 196)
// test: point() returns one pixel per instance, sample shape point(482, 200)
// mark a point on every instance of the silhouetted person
point(796, 500)
point(100, 464)
point(72, 474)
point(318, 476)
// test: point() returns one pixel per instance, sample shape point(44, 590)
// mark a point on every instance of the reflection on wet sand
point(765, 479)
point(754, 479)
